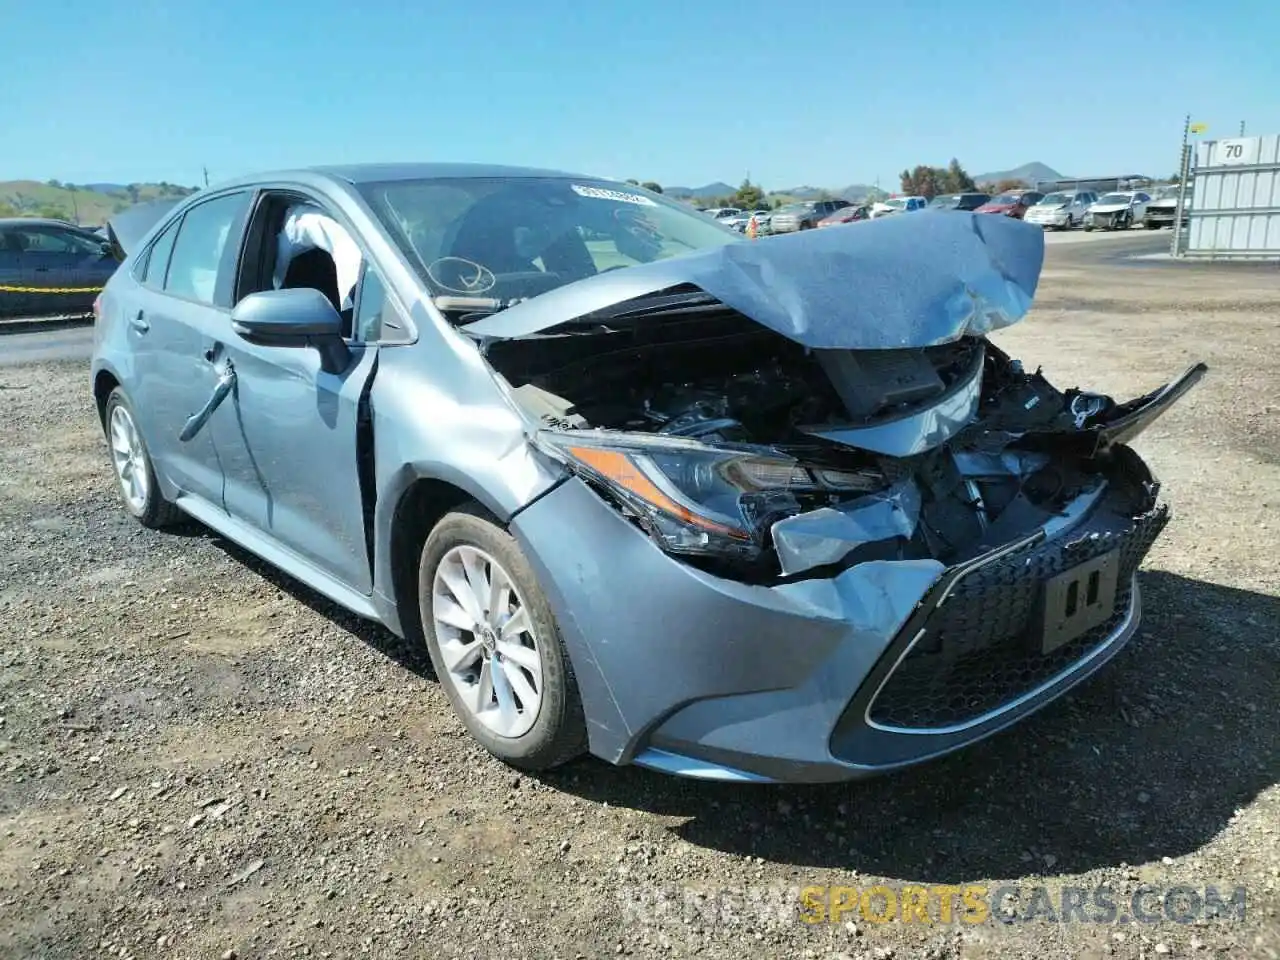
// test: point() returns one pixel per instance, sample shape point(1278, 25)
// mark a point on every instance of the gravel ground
point(201, 759)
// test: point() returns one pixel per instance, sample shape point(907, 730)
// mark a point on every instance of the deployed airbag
point(306, 228)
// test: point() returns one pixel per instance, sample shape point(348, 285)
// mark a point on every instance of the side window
point(202, 242)
point(46, 240)
point(157, 263)
point(375, 313)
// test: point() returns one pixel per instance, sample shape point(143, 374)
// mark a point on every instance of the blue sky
point(793, 93)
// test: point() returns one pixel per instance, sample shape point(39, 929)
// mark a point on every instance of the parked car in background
point(740, 220)
point(722, 213)
point(959, 201)
point(1163, 207)
point(804, 215)
point(1117, 211)
point(849, 214)
point(1014, 203)
point(894, 205)
point(51, 268)
point(623, 516)
point(1061, 210)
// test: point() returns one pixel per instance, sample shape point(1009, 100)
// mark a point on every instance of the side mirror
point(296, 317)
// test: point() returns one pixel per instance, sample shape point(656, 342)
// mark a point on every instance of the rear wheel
point(495, 644)
point(135, 475)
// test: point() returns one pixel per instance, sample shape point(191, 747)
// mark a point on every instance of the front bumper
point(887, 664)
point(1055, 218)
point(1106, 221)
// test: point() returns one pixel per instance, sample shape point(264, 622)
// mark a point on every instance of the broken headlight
point(697, 499)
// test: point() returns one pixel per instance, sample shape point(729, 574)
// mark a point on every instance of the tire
point(131, 462)
point(469, 539)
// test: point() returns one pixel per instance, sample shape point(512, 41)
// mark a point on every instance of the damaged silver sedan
point(730, 509)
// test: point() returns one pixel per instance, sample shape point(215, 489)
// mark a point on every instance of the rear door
point(182, 305)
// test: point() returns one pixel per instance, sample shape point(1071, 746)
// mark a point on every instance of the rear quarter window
point(155, 265)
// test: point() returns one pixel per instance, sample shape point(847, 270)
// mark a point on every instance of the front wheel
point(495, 644)
point(135, 474)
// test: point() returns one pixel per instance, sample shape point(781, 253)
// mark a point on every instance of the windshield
point(796, 208)
point(1170, 193)
point(1115, 198)
point(952, 200)
point(1056, 200)
point(507, 239)
point(1007, 199)
point(897, 203)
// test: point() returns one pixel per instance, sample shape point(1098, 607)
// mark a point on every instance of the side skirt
point(280, 557)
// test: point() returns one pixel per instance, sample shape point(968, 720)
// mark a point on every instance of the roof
point(374, 172)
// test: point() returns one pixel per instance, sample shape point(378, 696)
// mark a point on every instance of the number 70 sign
point(1237, 151)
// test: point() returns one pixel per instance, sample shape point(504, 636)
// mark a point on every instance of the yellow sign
point(1199, 127)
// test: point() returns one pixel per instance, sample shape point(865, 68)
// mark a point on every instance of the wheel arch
point(104, 381)
point(422, 504)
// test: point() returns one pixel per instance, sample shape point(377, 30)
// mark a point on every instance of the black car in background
point(51, 268)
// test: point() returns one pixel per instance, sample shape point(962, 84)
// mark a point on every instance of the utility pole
point(1184, 168)
point(206, 176)
point(1242, 128)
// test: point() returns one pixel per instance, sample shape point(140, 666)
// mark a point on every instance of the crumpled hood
point(896, 282)
point(1109, 208)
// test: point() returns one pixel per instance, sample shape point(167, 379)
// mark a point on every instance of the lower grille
point(977, 652)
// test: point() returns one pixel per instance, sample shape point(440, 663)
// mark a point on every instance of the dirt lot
point(199, 759)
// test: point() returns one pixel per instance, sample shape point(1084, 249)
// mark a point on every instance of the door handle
point(220, 391)
point(139, 322)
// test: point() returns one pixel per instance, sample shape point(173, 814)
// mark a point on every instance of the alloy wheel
point(129, 458)
point(486, 640)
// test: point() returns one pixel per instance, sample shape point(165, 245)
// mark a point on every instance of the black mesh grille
point(977, 652)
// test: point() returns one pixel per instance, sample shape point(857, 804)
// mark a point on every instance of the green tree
point(8, 209)
point(54, 183)
point(957, 179)
point(749, 196)
point(923, 181)
point(651, 186)
point(927, 181)
point(53, 211)
point(634, 183)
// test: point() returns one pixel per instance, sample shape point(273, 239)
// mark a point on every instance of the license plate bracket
point(1078, 600)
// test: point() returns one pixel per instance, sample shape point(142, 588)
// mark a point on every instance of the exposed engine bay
point(731, 444)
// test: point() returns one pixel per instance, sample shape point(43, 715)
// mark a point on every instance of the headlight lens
point(697, 499)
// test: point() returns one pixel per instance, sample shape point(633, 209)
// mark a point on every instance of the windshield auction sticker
point(598, 193)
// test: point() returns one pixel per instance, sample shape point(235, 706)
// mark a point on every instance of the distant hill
point(88, 204)
point(1028, 173)
point(716, 189)
point(803, 193)
point(856, 191)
